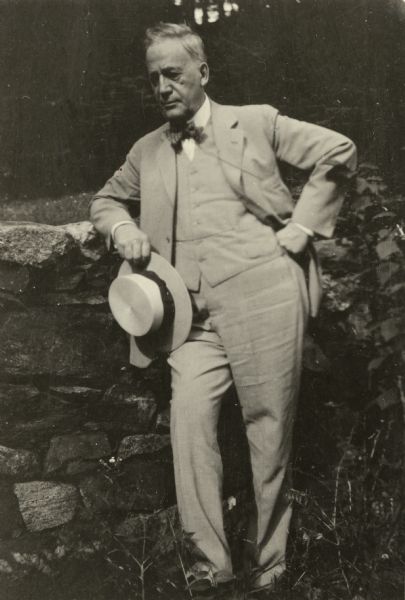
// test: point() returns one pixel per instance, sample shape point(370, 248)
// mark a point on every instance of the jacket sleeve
point(119, 199)
point(331, 159)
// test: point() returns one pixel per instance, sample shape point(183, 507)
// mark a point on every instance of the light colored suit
point(250, 141)
point(258, 310)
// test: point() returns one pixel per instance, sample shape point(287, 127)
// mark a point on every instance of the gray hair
point(190, 40)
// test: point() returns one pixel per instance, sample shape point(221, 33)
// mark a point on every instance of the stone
point(131, 409)
point(149, 443)
point(67, 280)
point(127, 395)
point(136, 485)
point(65, 299)
point(65, 448)
point(17, 399)
point(76, 392)
point(44, 504)
point(33, 244)
point(18, 463)
point(10, 517)
point(9, 301)
point(77, 467)
point(161, 528)
point(98, 493)
point(63, 342)
point(91, 243)
point(13, 278)
point(37, 431)
point(145, 485)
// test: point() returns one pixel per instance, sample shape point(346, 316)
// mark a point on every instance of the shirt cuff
point(303, 228)
point(115, 227)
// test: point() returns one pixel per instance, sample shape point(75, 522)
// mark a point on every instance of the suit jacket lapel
point(166, 159)
point(230, 143)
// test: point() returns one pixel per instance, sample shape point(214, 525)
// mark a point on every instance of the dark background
point(74, 96)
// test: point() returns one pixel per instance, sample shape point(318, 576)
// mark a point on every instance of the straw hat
point(153, 306)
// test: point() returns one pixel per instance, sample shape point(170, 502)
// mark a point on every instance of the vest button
point(168, 240)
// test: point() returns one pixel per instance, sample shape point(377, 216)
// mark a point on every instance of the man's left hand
point(292, 238)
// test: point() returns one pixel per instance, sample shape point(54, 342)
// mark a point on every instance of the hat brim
point(144, 349)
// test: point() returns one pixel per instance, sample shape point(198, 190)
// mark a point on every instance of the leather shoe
point(202, 579)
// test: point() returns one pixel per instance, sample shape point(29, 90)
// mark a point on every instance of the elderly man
point(212, 201)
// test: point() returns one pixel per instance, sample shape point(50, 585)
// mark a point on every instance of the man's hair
point(190, 40)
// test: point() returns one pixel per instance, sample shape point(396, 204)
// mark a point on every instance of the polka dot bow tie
point(189, 131)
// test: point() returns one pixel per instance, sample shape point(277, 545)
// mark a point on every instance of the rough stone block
point(44, 504)
point(145, 485)
point(13, 278)
point(138, 485)
point(65, 448)
point(98, 492)
point(36, 432)
point(161, 529)
point(33, 244)
point(127, 408)
point(91, 243)
point(64, 280)
point(77, 393)
point(77, 467)
point(149, 443)
point(18, 399)
point(63, 342)
point(67, 299)
point(18, 463)
point(10, 517)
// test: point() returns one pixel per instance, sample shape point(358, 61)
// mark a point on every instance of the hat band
point(167, 300)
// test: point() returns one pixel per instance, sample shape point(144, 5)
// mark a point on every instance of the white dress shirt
point(200, 119)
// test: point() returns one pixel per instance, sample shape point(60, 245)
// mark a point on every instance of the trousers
point(254, 339)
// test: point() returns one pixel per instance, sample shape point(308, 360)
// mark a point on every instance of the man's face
point(177, 79)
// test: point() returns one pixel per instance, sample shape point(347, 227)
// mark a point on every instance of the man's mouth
point(171, 104)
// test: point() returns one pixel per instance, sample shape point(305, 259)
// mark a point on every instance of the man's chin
point(175, 114)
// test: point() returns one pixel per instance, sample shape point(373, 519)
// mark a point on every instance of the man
point(212, 201)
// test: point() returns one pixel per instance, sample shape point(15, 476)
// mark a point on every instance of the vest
point(213, 225)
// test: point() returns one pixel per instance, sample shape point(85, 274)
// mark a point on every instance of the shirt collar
point(203, 114)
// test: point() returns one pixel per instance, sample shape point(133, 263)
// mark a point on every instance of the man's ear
point(205, 74)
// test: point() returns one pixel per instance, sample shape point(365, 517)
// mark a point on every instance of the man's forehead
point(167, 53)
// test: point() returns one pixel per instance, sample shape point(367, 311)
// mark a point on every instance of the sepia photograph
point(202, 299)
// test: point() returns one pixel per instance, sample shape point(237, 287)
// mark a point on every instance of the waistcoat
point(215, 234)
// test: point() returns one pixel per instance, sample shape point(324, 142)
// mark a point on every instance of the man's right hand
point(132, 243)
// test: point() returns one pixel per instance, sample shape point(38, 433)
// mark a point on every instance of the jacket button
point(168, 240)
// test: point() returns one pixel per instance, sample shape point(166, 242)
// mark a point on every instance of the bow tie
point(189, 131)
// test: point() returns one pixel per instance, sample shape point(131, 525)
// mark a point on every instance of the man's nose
point(164, 85)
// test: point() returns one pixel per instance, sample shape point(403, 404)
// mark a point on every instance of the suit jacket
point(250, 142)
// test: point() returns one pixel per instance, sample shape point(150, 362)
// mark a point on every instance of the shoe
point(263, 584)
point(202, 579)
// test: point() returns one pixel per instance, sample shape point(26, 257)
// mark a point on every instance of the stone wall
point(84, 437)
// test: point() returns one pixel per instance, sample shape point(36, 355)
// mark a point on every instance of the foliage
point(350, 429)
